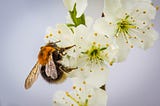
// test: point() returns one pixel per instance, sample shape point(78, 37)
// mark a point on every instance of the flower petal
point(97, 78)
point(123, 49)
point(104, 26)
point(81, 6)
point(111, 7)
point(101, 98)
point(149, 38)
point(69, 4)
point(65, 35)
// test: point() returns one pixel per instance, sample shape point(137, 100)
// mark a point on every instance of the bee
point(49, 66)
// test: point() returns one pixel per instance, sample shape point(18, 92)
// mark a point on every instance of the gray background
point(134, 82)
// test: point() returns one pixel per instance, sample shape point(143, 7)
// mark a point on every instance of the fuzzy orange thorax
point(44, 54)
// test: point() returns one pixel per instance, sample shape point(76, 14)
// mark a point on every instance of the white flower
point(49, 35)
point(61, 33)
point(82, 95)
point(129, 23)
point(94, 49)
point(80, 6)
point(93, 53)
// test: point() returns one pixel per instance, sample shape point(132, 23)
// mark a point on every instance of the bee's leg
point(69, 47)
point(66, 69)
point(66, 48)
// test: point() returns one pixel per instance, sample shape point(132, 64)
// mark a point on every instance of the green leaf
point(79, 20)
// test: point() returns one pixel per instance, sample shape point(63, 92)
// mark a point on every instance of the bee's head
point(53, 44)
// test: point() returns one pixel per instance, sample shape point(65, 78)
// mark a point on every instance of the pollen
point(137, 10)
point(110, 23)
point(152, 4)
point(95, 34)
point(81, 69)
point(50, 34)
point(142, 41)
point(80, 89)
point(144, 23)
point(107, 45)
point(131, 46)
point(84, 82)
point(102, 69)
point(89, 96)
point(67, 93)
point(47, 36)
point(143, 32)
point(74, 87)
point(94, 43)
point(144, 12)
point(99, 45)
point(111, 63)
point(72, 104)
point(59, 32)
point(157, 8)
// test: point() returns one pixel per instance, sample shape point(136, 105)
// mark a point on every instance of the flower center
point(94, 53)
point(76, 101)
point(123, 27)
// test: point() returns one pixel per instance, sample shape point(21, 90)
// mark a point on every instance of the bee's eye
point(41, 47)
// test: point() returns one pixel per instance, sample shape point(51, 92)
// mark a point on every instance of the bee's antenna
point(69, 47)
point(57, 41)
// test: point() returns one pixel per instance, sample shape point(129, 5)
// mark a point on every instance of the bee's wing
point(33, 75)
point(51, 69)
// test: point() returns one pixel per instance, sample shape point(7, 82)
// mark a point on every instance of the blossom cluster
point(125, 24)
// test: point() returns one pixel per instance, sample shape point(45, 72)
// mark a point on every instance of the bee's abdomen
point(61, 76)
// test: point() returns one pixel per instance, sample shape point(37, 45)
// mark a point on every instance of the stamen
point(137, 10)
point(102, 69)
point(110, 23)
point(95, 34)
point(81, 69)
point(84, 82)
point(157, 8)
point(72, 98)
point(47, 36)
point(144, 12)
point(80, 89)
point(50, 35)
point(74, 87)
point(59, 32)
